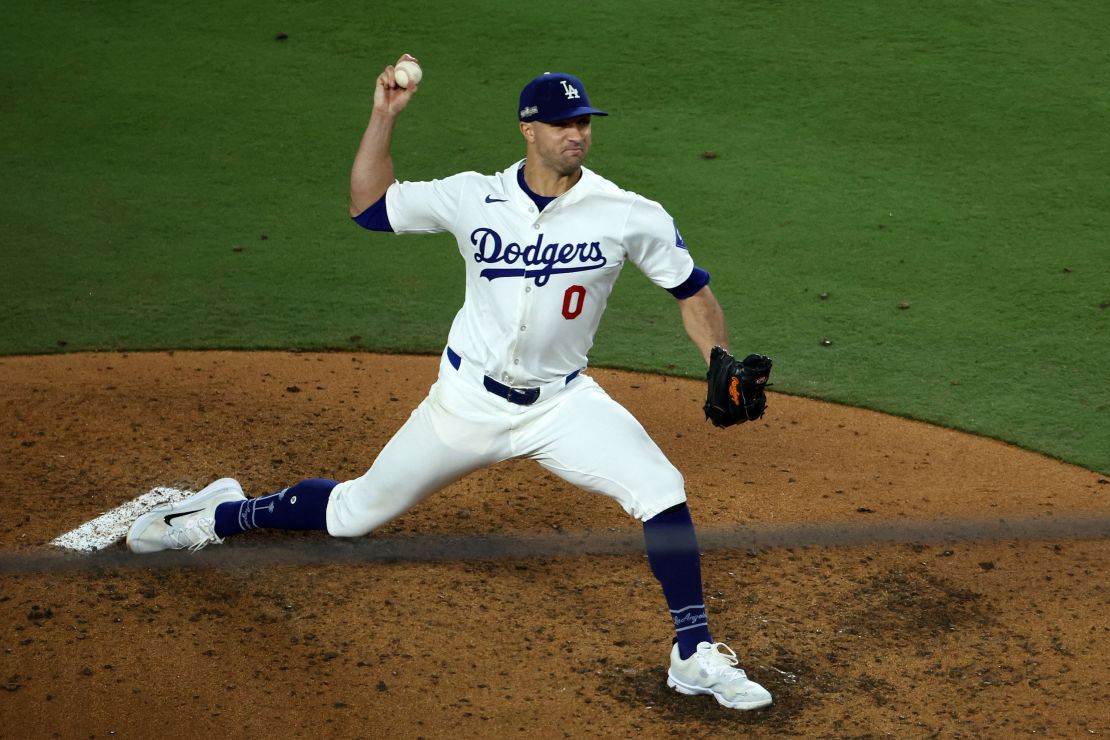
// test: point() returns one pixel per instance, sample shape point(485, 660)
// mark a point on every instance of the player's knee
point(347, 524)
point(354, 510)
point(670, 483)
point(668, 489)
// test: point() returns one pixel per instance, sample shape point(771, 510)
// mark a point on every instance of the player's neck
point(548, 182)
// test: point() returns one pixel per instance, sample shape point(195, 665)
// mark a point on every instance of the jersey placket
point(516, 348)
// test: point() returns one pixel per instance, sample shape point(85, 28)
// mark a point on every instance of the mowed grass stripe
point(176, 177)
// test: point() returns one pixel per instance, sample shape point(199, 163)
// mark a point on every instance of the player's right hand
point(389, 97)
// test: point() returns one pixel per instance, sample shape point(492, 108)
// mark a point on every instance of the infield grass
point(175, 177)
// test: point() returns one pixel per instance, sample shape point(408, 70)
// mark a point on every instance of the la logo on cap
point(555, 96)
point(570, 90)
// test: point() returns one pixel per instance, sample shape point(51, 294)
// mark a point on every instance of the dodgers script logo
point(538, 261)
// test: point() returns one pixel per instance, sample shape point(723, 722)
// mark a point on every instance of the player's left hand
point(736, 389)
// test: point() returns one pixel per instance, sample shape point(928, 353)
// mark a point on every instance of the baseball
point(407, 72)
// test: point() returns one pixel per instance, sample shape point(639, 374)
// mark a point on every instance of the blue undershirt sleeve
point(374, 218)
point(698, 279)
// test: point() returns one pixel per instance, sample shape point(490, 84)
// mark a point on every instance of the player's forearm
point(704, 321)
point(372, 171)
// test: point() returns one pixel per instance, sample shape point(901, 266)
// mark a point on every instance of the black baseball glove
point(736, 388)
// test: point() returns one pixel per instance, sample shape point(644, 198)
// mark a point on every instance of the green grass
point(172, 176)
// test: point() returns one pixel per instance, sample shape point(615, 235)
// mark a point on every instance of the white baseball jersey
point(537, 282)
point(536, 286)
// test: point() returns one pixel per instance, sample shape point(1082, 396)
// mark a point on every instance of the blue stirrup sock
point(303, 506)
point(672, 550)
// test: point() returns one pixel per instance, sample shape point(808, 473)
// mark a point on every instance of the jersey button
point(516, 361)
point(535, 226)
point(528, 289)
point(523, 327)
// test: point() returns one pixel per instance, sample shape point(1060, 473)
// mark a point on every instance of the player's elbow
point(363, 195)
point(699, 294)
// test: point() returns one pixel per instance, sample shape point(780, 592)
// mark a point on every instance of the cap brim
point(566, 115)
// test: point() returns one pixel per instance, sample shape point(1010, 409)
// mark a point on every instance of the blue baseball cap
point(555, 96)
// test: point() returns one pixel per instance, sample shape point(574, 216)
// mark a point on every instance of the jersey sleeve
point(425, 207)
point(375, 217)
point(655, 246)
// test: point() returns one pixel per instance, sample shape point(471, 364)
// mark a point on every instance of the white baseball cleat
point(189, 523)
point(710, 671)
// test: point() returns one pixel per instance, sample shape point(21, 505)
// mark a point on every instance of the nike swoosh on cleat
point(491, 199)
point(170, 517)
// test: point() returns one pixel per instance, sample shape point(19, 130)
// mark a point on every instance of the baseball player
point(543, 242)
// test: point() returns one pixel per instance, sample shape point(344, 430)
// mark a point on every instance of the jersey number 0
point(572, 301)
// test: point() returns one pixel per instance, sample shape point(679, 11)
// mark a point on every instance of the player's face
point(561, 146)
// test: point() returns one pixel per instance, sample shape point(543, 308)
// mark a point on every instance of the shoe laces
point(721, 663)
point(199, 532)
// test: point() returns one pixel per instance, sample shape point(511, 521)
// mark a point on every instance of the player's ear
point(528, 132)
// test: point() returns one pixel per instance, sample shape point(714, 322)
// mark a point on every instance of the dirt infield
point(880, 576)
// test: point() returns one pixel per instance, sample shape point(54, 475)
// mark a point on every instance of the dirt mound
point(880, 576)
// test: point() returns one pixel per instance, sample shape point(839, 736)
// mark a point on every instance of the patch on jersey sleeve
point(678, 238)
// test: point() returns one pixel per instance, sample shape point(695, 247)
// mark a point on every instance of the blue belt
point(519, 396)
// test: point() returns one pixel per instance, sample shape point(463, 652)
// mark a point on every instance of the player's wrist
point(382, 121)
